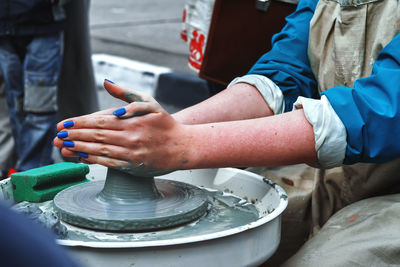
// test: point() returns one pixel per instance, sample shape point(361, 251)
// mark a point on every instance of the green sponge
point(42, 184)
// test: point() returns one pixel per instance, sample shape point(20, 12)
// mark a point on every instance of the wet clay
point(125, 202)
point(225, 211)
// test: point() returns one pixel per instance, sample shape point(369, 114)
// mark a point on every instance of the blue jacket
point(30, 17)
point(370, 111)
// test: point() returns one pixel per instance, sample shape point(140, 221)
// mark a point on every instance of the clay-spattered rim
point(184, 240)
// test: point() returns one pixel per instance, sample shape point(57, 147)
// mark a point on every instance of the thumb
point(137, 109)
point(125, 94)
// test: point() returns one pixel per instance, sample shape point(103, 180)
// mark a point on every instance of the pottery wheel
point(130, 203)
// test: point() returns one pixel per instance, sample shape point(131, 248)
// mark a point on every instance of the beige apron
point(345, 39)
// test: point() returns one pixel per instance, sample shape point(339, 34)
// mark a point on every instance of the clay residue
point(225, 212)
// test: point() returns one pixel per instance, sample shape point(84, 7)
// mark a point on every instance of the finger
point(108, 111)
point(98, 149)
point(68, 124)
point(106, 161)
point(92, 121)
point(125, 94)
point(57, 142)
point(93, 159)
point(84, 161)
point(137, 109)
point(89, 135)
point(69, 153)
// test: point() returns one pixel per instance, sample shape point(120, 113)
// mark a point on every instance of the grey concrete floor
point(143, 30)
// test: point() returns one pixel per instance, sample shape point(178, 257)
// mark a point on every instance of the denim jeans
point(31, 67)
point(7, 148)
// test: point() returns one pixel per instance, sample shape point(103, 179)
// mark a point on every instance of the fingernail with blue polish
point(109, 81)
point(62, 134)
point(119, 112)
point(69, 144)
point(83, 155)
point(68, 124)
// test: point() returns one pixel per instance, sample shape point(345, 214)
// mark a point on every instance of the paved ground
point(143, 30)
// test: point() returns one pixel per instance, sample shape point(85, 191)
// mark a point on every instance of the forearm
point(160, 142)
point(270, 141)
point(238, 102)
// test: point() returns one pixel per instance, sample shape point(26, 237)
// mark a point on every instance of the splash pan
point(249, 244)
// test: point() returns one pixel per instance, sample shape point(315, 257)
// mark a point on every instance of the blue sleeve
point(371, 110)
point(287, 64)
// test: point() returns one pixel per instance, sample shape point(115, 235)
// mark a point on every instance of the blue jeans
point(31, 67)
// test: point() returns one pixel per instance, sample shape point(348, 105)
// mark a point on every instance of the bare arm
point(238, 102)
point(269, 141)
point(160, 141)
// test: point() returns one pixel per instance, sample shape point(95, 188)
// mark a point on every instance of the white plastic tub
point(247, 245)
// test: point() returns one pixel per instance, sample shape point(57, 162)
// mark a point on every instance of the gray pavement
point(143, 30)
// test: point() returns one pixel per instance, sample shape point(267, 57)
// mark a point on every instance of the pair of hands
point(141, 134)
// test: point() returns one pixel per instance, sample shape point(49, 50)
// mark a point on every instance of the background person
point(31, 49)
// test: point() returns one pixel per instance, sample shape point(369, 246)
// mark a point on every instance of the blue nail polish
point(109, 81)
point(62, 134)
point(69, 143)
point(119, 112)
point(83, 155)
point(68, 124)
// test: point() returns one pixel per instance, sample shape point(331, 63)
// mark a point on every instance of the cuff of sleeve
point(267, 88)
point(329, 130)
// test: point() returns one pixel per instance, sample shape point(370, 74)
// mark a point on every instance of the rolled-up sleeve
point(286, 64)
point(270, 91)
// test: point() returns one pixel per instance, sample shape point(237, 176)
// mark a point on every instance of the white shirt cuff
point(267, 88)
point(330, 133)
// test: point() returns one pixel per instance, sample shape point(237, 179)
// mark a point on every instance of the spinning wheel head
point(130, 203)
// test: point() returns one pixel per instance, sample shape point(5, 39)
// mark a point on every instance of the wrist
point(184, 154)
